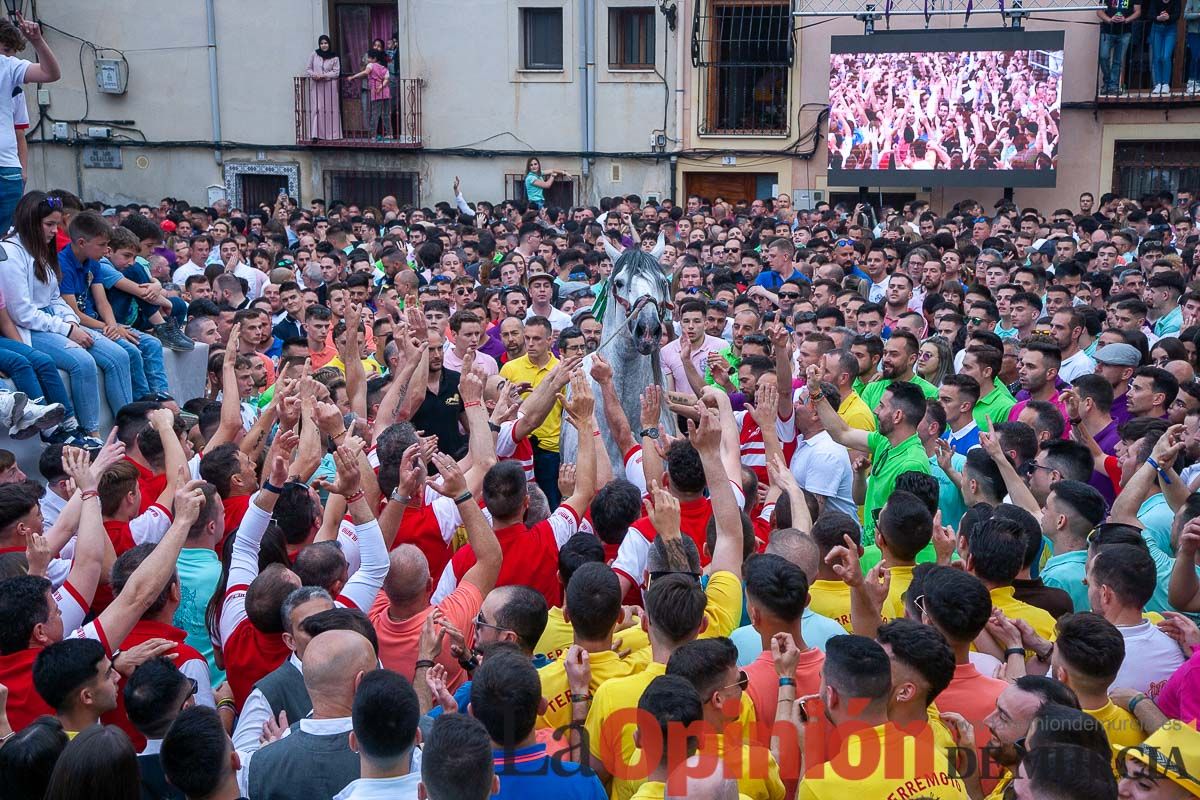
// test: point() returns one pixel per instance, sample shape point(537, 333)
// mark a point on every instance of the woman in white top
point(29, 283)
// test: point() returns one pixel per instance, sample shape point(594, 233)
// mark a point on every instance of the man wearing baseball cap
point(1164, 767)
point(1116, 363)
point(541, 294)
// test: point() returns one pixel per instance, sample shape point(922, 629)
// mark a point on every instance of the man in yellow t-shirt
point(1009, 723)
point(840, 368)
point(677, 611)
point(533, 368)
point(876, 758)
point(905, 528)
point(710, 665)
point(994, 553)
point(1087, 657)
point(667, 704)
point(592, 604)
point(829, 595)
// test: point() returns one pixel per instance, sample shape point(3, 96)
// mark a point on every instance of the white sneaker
point(36, 418)
point(1158, 90)
point(12, 406)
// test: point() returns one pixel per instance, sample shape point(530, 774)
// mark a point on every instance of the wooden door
point(733, 186)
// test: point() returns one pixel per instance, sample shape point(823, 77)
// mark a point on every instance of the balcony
point(1135, 87)
point(338, 114)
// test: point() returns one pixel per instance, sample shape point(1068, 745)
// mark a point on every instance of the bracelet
point(1162, 473)
point(1137, 698)
point(1045, 658)
point(471, 404)
point(89, 494)
point(464, 497)
point(816, 398)
point(337, 436)
point(1077, 421)
point(787, 682)
point(580, 698)
point(227, 702)
point(1014, 651)
point(355, 497)
point(270, 487)
point(425, 663)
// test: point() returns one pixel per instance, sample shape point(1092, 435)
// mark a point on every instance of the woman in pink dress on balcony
point(324, 106)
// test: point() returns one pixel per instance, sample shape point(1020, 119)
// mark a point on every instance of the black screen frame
point(945, 41)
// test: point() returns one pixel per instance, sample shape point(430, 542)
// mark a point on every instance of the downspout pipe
point(584, 23)
point(589, 11)
point(213, 93)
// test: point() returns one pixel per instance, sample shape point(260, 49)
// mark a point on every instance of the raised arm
point(581, 413)
point(540, 402)
point(614, 414)
point(460, 201)
point(46, 70)
point(1018, 490)
point(480, 535)
point(481, 442)
point(415, 392)
point(389, 407)
point(838, 430)
point(1183, 592)
point(362, 587)
point(727, 551)
point(162, 420)
point(356, 376)
point(231, 410)
point(90, 544)
point(147, 581)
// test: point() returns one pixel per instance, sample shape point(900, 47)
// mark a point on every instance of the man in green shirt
point(899, 359)
point(983, 363)
point(894, 448)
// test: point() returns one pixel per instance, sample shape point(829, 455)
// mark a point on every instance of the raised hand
point(37, 554)
point(786, 655)
point(601, 371)
point(435, 679)
point(664, 511)
point(845, 564)
point(705, 437)
point(470, 385)
point(453, 484)
point(651, 406)
point(944, 540)
point(763, 411)
point(412, 472)
point(189, 499)
point(566, 479)
point(581, 404)
point(348, 478)
point(579, 670)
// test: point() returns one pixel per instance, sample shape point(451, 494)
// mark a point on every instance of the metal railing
point(1147, 63)
point(339, 113)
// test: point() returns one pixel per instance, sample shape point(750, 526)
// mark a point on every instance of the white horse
point(639, 299)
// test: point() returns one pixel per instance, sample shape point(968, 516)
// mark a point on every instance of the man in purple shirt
point(1116, 363)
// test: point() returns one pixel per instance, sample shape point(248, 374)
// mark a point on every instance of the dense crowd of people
point(926, 521)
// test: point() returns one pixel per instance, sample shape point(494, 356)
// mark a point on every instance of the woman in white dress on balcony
point(324, 105)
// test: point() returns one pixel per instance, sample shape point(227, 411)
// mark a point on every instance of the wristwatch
point(651, 432)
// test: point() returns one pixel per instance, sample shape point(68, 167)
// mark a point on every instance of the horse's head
point(643, 290)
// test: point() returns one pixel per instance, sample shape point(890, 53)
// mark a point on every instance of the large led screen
point(945, 108)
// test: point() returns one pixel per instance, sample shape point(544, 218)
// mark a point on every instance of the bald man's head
point(408, 577)
point(334, 662)
point(797, 547)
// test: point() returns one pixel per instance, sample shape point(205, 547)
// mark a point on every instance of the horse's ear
point(659, 247)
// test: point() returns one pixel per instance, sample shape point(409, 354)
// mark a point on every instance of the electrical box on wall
point(112, 75)
point(807, 198)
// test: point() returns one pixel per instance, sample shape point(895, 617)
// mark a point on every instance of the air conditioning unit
point(807, 198)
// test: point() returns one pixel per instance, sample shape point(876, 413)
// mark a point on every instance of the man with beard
point(899, 359)
point(1037, 372)
point(591, 329)
point(1009, 723)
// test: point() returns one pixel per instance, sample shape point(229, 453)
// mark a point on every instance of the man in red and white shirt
point(38, 616)
point(531, 553)
point(253, 645)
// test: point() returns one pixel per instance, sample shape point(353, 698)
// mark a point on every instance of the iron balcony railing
point(338, 113)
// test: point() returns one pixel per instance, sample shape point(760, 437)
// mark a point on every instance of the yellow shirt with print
point(901, 579)
point(522, 370)
point(862, 769)
point(831, 599)
point(1122, 727)
point(605, 665)
point(369, 366)
point(1038, 618)
point(1001, 787)
point(559, 635)
point(856, 413)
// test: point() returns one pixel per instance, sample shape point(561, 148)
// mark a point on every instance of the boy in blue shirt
point(85, 279)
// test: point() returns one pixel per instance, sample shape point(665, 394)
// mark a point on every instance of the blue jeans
point(1112, 57)
point(146, 372)
point(34, 374)
point(12, 186)
point(82, 366)
point(1193, 46)
point(1162, 51)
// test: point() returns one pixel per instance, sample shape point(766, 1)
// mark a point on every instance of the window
point(631, 38)
point(542, 38)
point(745, 50)
point(1145, 167)
point(560, 195)
point(368, 187)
